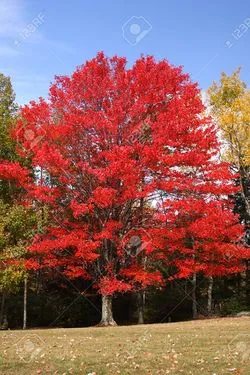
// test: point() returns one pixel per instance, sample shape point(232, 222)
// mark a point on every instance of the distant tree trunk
point(194, 306)
point(5, 322)
point(209, 294)
point(25, 304)
point(2, 308)
point(244, 181)
point(4, 313)
point(140, 306)
point(107, 312)
point(248, 283)
point(143, 260)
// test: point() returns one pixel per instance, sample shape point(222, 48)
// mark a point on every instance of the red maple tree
point(126, 164)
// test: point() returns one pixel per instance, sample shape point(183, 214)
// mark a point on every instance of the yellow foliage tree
point(230, 105)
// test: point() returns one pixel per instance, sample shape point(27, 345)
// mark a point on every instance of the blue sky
point(40, 39)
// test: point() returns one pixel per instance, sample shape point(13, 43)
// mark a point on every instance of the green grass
point(216, 346)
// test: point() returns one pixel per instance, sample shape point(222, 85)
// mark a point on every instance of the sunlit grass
point(216, 346)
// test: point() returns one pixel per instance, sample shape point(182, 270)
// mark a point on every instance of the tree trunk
point(107, 312)
point(244, 180)
point(2, 309)
point(25, 304)
point(209, 294)
point(194, 307)
point(248, 283)
point(140, 306)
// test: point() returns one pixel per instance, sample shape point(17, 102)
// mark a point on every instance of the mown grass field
point(216, 346)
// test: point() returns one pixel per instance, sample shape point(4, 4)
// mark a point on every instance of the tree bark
point(209, 294)
point(25, 304)
point(194, 306)
point(107, 312)
point(140, 306)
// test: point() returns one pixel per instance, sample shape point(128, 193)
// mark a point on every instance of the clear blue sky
point(43, 38)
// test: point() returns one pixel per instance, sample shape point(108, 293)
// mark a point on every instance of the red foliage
point(13, 171)
point(130, 175)
point(110, 285)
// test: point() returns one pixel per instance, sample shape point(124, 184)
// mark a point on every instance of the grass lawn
point(216, 346)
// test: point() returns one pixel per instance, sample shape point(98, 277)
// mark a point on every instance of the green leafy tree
point(16, 221)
